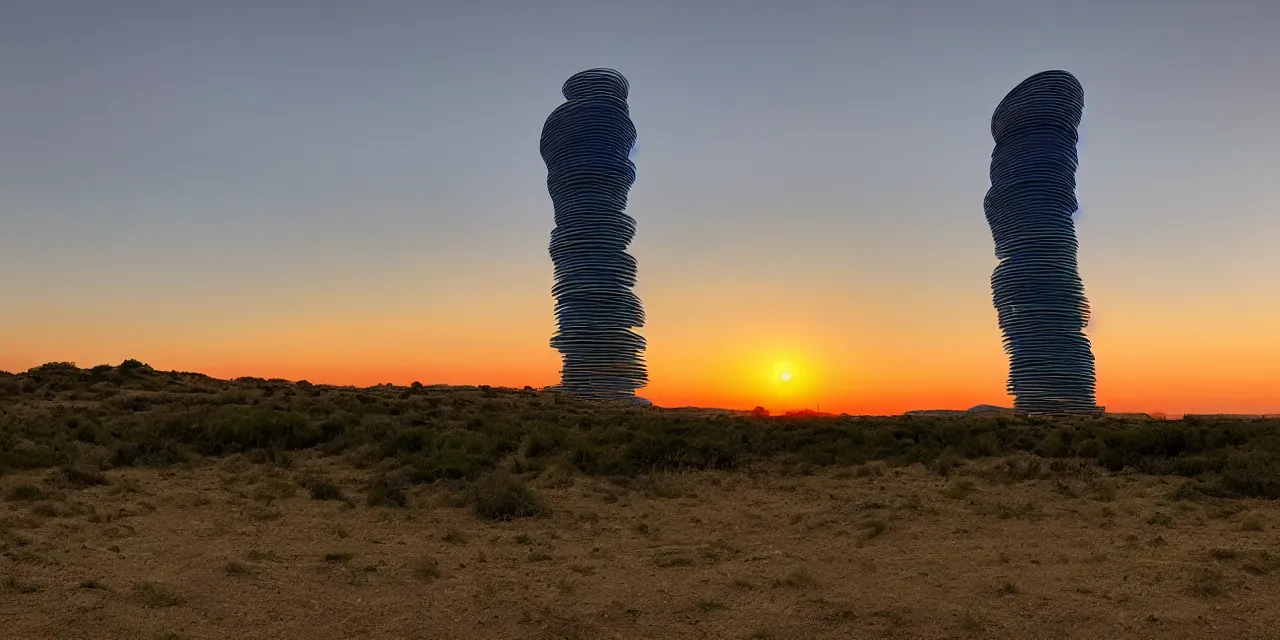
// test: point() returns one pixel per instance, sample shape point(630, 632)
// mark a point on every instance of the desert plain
point(150, 505)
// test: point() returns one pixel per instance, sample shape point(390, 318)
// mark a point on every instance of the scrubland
point(144, 504)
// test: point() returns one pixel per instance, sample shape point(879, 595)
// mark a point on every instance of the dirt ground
point(230, 549)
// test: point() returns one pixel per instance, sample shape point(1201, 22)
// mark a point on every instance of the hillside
point(146, 504)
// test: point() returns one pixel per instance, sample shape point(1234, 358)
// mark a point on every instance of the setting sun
point(786, 376)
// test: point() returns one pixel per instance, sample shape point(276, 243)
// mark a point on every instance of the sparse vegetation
point(233, 568)
point(1207, 583)
point(708, 605)
point(321, 488)
point(1224, 554)
point(14, 584)
point(1253, 522)
point(133, 415)
point(274, 489)
point(1264, 563)
point(670, 560)
point(386, 492)
point(532, 514)
point(500, 495)
point(47, 510)
point(82, 476)
point(873, 528)
point(798, 579)
point(960, 489)
point(427, 569)
point(262, 556)
point(25, 492)
point(1105, 491)
point(155, 595)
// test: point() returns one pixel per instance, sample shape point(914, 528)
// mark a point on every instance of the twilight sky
point(351, 192)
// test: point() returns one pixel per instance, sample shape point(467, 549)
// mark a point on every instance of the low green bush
point(58, 415)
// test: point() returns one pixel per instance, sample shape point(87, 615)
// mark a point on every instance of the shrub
point(499, 495)
point(1253, 474)
point(233, 429)
point(427, 569)
point(134, 366)
point(150, 594)
point(131, 415)
point(25, 493)
point(17, 585)
point(321, 488)
point(386, 492)
point(80, 476)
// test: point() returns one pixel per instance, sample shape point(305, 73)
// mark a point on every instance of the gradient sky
point(351, 192)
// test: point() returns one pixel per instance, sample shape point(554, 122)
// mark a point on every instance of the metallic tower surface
point(585, 144)
point(1036, 288)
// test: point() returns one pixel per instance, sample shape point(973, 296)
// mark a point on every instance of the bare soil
point(223, 548)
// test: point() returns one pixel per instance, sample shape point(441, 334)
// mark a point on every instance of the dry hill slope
point(143, 504)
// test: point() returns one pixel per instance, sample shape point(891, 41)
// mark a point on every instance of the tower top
point(595, 82)
point(1053, 96)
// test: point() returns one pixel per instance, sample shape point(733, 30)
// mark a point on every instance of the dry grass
point(145, 504)
point(757, 553)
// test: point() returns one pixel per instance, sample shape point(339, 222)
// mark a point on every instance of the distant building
point(586, 143)
point(1036, 288)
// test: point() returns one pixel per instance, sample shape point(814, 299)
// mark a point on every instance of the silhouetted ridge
point(1036, 288)
point(585, 144)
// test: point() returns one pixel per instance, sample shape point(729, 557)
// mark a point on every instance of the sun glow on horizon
point(787, 381)
point(782, 372)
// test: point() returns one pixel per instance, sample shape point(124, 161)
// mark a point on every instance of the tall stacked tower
point(586, 143)
point(1036, 288)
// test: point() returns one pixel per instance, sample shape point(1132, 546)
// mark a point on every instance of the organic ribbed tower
point(1036, 287)
point(585, 143)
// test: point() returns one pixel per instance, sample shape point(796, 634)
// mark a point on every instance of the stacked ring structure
point(1036, 287)
point(586, 143)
